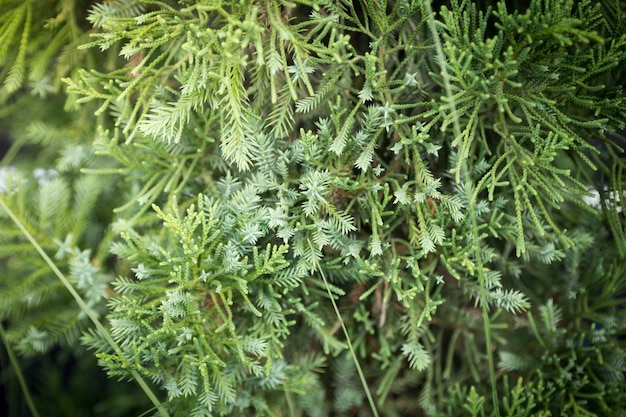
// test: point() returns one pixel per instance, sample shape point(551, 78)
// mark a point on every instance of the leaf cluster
point(321, 208)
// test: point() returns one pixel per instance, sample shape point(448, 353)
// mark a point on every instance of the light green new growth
point(319, 208)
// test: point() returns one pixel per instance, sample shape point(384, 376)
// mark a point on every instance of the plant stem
point(81, 303)
point(18, 373)
point(357, 365)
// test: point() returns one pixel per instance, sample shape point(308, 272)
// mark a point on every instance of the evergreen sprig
point(321, 207)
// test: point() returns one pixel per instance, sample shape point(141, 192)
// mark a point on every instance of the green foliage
point(39, 44)
point(177, 313)
point(314, 208)
point(59, 214)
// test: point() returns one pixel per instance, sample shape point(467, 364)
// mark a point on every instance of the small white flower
point(593, 199)
point(44, 175)
point(6, 173)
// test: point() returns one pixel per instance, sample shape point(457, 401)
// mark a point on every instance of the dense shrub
point(313, 208)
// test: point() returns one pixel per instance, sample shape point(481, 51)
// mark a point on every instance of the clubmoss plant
point(317, 208)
